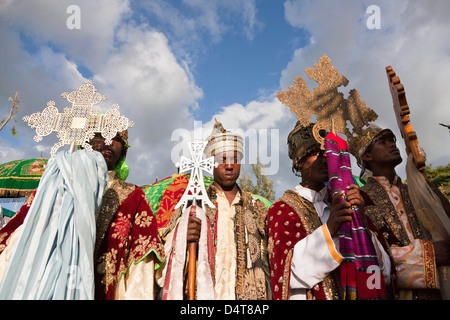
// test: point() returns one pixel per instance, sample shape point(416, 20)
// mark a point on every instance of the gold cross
point(326, 102)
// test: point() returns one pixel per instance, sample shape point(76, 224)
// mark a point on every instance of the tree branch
point(13, 110)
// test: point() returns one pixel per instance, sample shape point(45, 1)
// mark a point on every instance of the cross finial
point(78, 124)
point(196, 165)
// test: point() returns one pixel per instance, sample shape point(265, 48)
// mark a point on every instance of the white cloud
point(45, 21)
point(153, 89)
point(9, 153)
point(410, 39)
point(256, 114)
point(137, 67)
point(196, 24)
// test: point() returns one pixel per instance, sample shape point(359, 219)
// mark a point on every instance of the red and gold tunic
point(127, 235)
point(289, 220)
point(292, 219)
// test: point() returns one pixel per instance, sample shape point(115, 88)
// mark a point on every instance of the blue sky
point(234, 66)
point(170, 63)
point(238, 69)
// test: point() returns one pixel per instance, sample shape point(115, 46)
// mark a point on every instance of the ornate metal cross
point(328, 105)
point(196, 186)
point(77, 125)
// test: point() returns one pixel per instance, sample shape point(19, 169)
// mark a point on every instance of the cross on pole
point(78, 124)
point(196, 165)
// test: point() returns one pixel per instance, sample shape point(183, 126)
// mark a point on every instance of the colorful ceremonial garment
point(354, 242)
point(126, 236)
point(165, 194)
point(289, 220)
point(127, 245)
point(251, 275)
point(297, 231)
point(53, 255)
point(391, 210)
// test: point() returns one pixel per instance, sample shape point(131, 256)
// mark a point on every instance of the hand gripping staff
point(193, 201)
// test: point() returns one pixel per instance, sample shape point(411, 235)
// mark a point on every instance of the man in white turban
point(237, 225)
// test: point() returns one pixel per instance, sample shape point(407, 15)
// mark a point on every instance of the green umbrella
point(19, 178)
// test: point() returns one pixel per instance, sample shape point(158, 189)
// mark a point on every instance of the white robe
point(316, 255)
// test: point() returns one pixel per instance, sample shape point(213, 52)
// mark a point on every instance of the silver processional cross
point(196, 186)
point(77, 125)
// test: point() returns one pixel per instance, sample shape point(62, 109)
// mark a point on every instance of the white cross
point(78, 124)
point(196, 186)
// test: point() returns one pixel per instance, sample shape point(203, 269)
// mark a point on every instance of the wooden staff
point(401, 110)
point(192, 261)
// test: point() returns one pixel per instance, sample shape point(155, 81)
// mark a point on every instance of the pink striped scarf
point(355, 245)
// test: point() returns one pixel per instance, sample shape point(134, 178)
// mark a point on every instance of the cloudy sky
point(175, 65)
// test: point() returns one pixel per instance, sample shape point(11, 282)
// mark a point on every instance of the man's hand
point(354, 197)
point(194, 228)
point(340, 213)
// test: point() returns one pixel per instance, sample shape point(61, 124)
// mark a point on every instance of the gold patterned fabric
point(290, 219)
point(358, 144)
point(383, 214)
point(301, 141)
point(19, 178)
point(126, 235)
point(385, 218)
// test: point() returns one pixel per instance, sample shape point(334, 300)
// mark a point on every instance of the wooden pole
point(192, 262)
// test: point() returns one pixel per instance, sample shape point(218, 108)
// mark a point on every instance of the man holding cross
point(127, 245)
point(236, 225)
point(303, 231)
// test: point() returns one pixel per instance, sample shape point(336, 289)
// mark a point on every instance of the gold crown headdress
point(77, 125)
point(331, 109)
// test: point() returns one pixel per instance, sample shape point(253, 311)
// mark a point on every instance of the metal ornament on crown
point(78, 124)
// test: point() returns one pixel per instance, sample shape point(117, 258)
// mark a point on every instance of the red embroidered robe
point(126, 234)
point(290, 219)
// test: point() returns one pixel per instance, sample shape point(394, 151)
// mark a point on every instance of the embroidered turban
point(301, 141)
point(222, 140)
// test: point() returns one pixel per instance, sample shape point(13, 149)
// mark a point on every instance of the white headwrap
point(221, 140)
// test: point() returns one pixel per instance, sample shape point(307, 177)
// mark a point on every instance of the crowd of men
point(291, 250)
